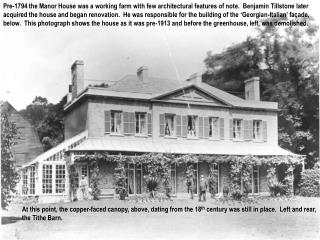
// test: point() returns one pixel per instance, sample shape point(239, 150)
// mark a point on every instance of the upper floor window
point(116, 121)
point(257, 130)
point(214, 127)
point(141, 124)
point(169, 125)
point(192, 129)
point(237, 128)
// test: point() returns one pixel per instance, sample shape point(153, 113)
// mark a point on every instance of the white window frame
point(134, 168)
point(173, 134)
point(61, 185)
point(25, 185)
point(237, 133)
point(44, 189)
point(173, 169)
point(138, 124)
point(113, 122)
point(252, 177)
point(216, 135)
point(32, 180)
point(256, 129)
point(218, 171)
point(194, 134)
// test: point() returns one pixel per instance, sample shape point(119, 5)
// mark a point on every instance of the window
point(255, 179)
point(84, 170)
point(192, 123)
point(32, 180)
point(116, 122)
point(217, 174)
point(47, 178)
point(237, 128)
point(257, 133)
point(141, 123)
point(25, 182)
point(60, 178)
point(134, 179)
point(169, 125)
point(173, 179)
point(213, 127)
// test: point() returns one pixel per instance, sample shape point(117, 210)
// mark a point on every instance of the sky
point(36, 62)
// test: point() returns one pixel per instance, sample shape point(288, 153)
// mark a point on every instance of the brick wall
point(75, 121)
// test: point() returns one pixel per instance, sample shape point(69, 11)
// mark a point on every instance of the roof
point(193, 147)
point(28, 144)
point(132, 87)
point(62, 147)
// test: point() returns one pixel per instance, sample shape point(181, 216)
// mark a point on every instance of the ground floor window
point(47, 179)
point(25, 182)
point(60, 178)
point(134, 178)
point(217, 173)
point(32, 180)
point(173, 179)
point(255, 179)
point(84, 170)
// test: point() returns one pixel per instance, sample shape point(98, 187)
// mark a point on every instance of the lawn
point(207, 224)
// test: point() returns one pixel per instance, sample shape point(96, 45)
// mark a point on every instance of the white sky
point(37, 62)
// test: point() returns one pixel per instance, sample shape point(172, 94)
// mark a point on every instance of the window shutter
point(126, 123)
point(161, 120)
point(184, 126)
point(206, 127)
point(201, 127)
point(247, 126)
point(178, 126)
point(132, 123)
point(107, 121)
point(251, 129)
point(264, 131)
point(231, 129)
point(221, 125)
point(149, 124)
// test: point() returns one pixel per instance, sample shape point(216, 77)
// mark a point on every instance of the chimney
point(69, 95)
point(252, 89)
point(195, 78)
point(142, 73)
point(77, 74)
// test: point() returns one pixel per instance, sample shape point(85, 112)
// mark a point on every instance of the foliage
point(309, 186)
point(157, 172)
point(9, 175)
point(120, 180)
point(213, 180)
point(47, 119)
point(286, 60)
point(240, 174)
point(225, 191)
point(94, 179)
point(275, 186)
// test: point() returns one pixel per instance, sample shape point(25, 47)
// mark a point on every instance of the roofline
point(188, 86)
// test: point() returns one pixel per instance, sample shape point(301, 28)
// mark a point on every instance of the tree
point(286, 60)
point(9, 175)
point(47, 119)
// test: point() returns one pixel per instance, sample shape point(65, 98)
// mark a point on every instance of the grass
point(182, 225)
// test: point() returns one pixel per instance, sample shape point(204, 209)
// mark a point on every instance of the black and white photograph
point(159, 120)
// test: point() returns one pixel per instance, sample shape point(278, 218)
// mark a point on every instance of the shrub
point(309, 186)
point(225, 191)
point(120, 180)
point(236, 194)
point(276, 188)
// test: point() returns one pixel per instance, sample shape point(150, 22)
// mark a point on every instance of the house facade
point(140, 114)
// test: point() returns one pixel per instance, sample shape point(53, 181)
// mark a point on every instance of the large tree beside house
point(9, 175)
point(286, 60)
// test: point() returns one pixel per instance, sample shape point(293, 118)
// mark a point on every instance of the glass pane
point(131, 181)
point(138, 182)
